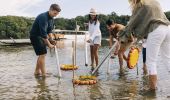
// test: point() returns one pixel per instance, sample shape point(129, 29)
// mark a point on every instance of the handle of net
point(104, 58)
point(57, 60)
point(86, 53)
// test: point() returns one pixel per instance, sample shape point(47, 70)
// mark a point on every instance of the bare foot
point(152, 82)
point(37, 74)
point(150, 92)
point(93, 65)
point(113, 56)
point(43, 76)
point(122, 71)
point(145, 71)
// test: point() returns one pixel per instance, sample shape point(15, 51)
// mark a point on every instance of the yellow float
point(85, 80)
point(68, 67)
point(133, 57)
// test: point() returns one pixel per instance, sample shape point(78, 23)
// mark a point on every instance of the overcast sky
point(70, 8)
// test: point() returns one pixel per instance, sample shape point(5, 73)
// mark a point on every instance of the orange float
point(85, 80)
point(133, 57)
point(68, 67)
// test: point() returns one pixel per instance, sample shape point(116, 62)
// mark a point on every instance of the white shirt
point(144, 43)
point(94, 30)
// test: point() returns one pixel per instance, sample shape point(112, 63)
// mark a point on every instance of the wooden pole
point(76, 43)
point(73, 57)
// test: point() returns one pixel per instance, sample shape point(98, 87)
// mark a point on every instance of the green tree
point(19, 27)
point(13, 26)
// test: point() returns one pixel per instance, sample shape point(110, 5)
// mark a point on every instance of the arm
point(51, 38)
point(43, 25)
point(136, 18)
point(133, 22)
point(47, 42)
point(110, 41)
point(50, 26)
point(50, 32)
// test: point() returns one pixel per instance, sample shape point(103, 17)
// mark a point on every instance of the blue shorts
point(38, 45)
point(144, 54)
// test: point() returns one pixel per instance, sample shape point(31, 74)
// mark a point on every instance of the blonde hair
point(135, 4)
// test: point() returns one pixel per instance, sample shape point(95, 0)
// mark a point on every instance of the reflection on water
point(41, 89)
point(18, 83)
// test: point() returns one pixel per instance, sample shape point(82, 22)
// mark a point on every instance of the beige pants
point(158, 41)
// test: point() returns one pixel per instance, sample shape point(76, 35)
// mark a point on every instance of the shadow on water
point(18, 82)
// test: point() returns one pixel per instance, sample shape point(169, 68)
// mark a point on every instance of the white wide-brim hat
point(93, 11)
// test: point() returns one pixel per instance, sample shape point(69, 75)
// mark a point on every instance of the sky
point(70, 8)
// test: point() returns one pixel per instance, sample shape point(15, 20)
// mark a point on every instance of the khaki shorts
point(97, 40)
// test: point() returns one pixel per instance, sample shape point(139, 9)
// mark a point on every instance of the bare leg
point(152, 82)
point(145, 69)
point(41, 65)
point(37, 69)
point(124, 57)
point(92, 55)
point(96, 47)
point(120, 55)
point(117, 47)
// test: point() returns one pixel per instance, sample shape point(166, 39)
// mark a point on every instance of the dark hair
point(91, 21)
point(109, 22)
point(55, 7)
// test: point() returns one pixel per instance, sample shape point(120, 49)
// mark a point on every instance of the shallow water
point(17, 81)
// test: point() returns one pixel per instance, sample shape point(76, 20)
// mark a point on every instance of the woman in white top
point(94, 36)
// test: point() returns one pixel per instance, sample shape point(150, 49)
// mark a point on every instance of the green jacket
point(144, 20)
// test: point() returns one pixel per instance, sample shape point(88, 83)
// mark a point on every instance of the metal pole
point(137, 69)
point(108, 66)
point(86, 53)
point(104, 58)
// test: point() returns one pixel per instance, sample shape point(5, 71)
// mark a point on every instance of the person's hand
point(131, 38)
point(121, 33)
point(51, 46)
point(88, 41)
point(125, 37)
point(116, 52)
point(53, 42)
point(139, 49)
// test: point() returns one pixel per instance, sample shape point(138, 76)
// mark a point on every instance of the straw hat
point(93, 11)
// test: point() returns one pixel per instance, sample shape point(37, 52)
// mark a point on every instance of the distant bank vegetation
point(19, 27)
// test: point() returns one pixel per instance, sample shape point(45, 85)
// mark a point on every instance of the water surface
point(17, 81)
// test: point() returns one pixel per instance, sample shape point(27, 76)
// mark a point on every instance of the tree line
point(19, 27)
